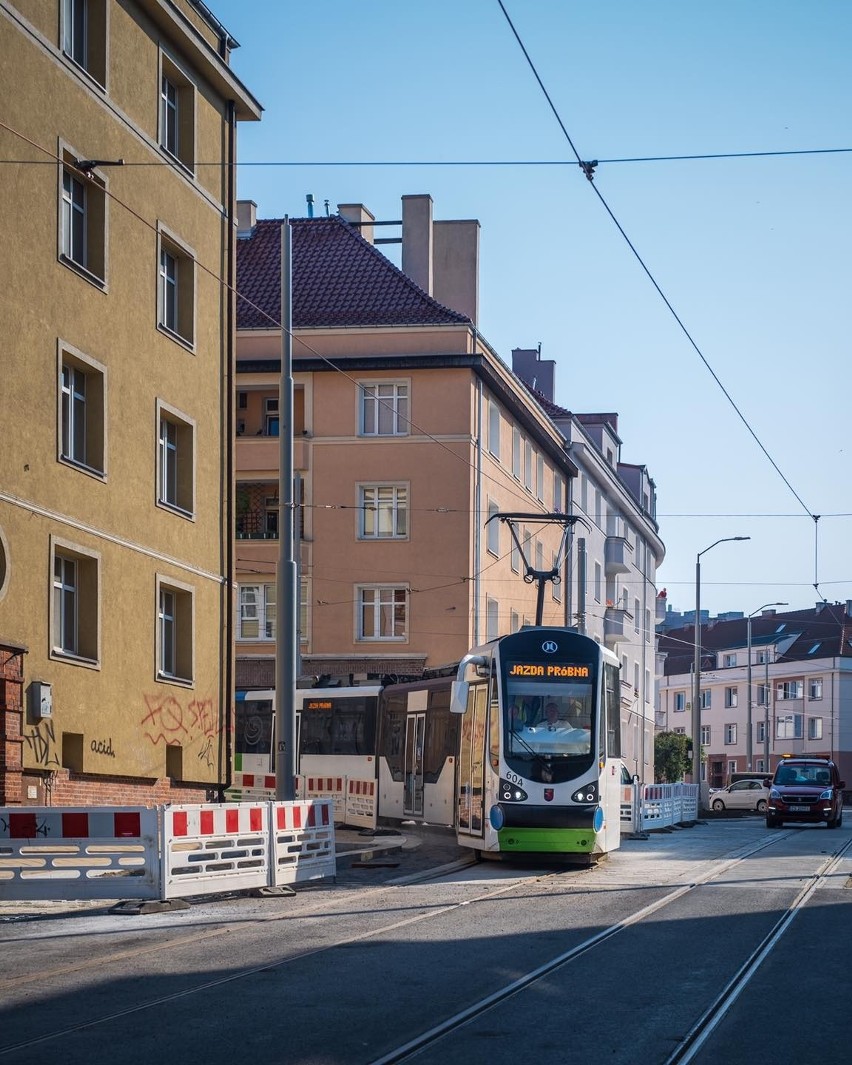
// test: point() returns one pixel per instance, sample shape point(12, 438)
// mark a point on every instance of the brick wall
point(11, 721)
point(65, 788)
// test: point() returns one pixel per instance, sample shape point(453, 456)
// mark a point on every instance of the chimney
point(849, 607)
point(538, 373)
point(359, 216)
point(456, 266)
point(246, 218)
point(417, 248)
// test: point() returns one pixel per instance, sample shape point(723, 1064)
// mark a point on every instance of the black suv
point(805, 789)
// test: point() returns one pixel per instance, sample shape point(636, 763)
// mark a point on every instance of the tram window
point(253, 726)
point(442, 735)
point(612, 703)
point(393, 734)
point(339, 726)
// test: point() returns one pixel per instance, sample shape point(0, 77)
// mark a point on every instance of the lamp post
point(696, 679)
point(749, 749)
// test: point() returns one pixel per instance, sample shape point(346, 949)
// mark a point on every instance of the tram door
point(415, 734)
point(471, 798)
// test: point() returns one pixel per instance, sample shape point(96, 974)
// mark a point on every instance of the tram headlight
point(588, 793)
point(496, 817)
point(598, 821)
point(510, 792)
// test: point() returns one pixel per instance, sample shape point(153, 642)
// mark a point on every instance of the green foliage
point(671, 760)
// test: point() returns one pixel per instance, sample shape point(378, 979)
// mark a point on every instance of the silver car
point(741, 795)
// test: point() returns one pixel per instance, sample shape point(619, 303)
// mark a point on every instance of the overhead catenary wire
point(588, 168)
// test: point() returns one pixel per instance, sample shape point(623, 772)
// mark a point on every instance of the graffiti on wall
point(41, 740)
point(167, 720)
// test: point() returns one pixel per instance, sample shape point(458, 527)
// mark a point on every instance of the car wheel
point(772, 822)
point(832, 822)
point(717, 804)
point(761, 805)
point(840, 819)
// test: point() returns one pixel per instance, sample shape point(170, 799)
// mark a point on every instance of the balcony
point(617, 554)
point(257, 525)
point(616, 622)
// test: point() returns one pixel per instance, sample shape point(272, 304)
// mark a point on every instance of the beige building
point(116, 511)
point(410, 432)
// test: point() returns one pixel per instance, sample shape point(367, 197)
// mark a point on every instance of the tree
point(671, 760)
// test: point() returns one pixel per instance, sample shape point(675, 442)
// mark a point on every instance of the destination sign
point(548, 670)
point(318, 704)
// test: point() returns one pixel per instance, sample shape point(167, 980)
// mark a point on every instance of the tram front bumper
point(548, 830)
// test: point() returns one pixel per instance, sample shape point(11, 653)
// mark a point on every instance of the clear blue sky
point(753, 254)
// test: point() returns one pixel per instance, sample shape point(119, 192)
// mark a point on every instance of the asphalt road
point(614, 964)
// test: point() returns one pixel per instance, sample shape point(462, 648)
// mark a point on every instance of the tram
point(540, 753)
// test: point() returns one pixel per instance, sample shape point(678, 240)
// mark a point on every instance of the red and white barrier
point(361, 806)
point(80, 852)
point(251, 787)
point(302, 841)
point(333, 788)
point(215, 847)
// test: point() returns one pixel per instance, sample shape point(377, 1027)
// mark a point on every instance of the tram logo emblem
point(548, 794)
point(549, 647)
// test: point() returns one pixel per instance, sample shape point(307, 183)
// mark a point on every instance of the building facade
point(799, 701)
point(115, 501)
point(611, 590)
point(409, 433)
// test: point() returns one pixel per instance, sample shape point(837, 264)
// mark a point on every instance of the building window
point(730, 734)
point(706, 698)
point(82, 411)
point(815, 688)
point(636, 615)
point(514, 621)
point(177, 114)
point(679, 702)
point(788, 727)
point(556, 584)
point(597, 582)
point(271, 416)
point(176, 295)
point(732, 767)
point(494, 430)
point(706, 732)
point(790, 689)
point(814, 728)
point(761, 731)
point(174, 631)
point(382, 613)
point(515, 557)
point(763, 691)
point(75, 621)
point(557, 493)
point(516, 453)
point(383, 512)
point(271, 510)
point(175, 460)
point(729, 660)
point(257, 617)
point(730, 698)
point(492, 618)
point(760, 766)
point(761, 658)
point(384, 409)
point(492, 529)
point(82, 235)
point(84, 36)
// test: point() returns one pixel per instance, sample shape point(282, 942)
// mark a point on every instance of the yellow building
point(410, 432)
point(118, 138)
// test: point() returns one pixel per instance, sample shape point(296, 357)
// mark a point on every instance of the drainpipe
point(227, 630)
point(477, 509)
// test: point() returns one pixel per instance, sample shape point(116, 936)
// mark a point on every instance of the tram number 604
point(513, 778)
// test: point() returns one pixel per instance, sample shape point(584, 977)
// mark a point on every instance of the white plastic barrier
point(251, 787)
point(79, 853)
point(333, 788)
point(659, 806)
point(302, 841)
point(361, 807)
point(215, 847)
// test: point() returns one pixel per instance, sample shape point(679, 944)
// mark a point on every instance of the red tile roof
point(339, 279)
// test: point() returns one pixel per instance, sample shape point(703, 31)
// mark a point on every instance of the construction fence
point(164, 852)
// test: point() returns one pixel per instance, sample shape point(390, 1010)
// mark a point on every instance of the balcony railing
point(257, 525)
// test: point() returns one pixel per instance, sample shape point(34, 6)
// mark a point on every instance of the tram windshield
point(548, 717)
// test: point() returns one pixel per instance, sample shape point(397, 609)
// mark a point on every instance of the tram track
point(407, 1050)
point(703, 1028)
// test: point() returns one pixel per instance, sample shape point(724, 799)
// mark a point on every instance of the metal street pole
point(287, 587)
point(749, 726)
point(696, 680)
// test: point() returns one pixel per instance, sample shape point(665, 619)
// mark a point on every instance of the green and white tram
point(539, 768)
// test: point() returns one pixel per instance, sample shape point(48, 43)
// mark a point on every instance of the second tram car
point(540, 756)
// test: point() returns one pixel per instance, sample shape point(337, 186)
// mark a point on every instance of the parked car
point(805, 789)
point(741, 795)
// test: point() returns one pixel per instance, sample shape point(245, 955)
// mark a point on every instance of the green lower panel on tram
point(546, 840)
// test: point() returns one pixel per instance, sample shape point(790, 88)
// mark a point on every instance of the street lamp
point(749, 727)
point(696, 679)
